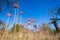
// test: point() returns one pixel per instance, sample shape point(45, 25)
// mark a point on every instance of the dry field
point(25, 35)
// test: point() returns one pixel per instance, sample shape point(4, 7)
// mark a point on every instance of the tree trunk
point(56, 25)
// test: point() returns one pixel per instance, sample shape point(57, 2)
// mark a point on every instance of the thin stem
point(20, 19)
point(15, 22)
point(14, 19)
point(7, 22)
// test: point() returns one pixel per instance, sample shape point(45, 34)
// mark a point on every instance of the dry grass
point(24, 35)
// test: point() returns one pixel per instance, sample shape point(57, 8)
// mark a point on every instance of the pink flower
point(29, 19)
point(22, 25)
point(21, 12)
point(9, 15)
point(34, 21)
point(15, 5)
point(29, 23)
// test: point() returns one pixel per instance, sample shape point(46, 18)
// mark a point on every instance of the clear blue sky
point(38, 9)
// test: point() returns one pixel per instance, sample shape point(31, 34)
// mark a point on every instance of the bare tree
point(55, 17)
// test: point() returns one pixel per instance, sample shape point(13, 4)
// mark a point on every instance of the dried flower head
point(9, 15)
point(29, 23)
point(22, 25)
point(21, 12)
point(34, 21)
point(29, 19)
point(15, 5)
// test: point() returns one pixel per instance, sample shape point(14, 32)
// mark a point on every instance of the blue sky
point(38, 9)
